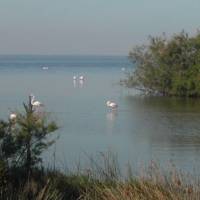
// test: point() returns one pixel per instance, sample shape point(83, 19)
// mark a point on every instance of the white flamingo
point(111, 104)
point(34, 102)
point(81, 78)
point(13, 116)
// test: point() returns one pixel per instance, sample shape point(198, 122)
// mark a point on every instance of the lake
point(142, 129)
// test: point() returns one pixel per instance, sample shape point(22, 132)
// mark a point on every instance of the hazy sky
point(90, 26)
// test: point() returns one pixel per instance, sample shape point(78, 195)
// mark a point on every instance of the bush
point(169, 67)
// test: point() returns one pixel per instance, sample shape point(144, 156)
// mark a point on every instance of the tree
point(22, 140)
point(169, 67)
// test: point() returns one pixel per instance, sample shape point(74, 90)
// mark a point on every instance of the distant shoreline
point(63, 55)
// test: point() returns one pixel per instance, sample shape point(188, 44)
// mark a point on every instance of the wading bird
point(13, 116)
point(81, 78)
point(111, 104)
point(34, 102)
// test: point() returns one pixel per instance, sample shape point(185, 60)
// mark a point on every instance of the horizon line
point(32, 54)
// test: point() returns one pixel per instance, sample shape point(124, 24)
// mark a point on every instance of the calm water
point(141, 130)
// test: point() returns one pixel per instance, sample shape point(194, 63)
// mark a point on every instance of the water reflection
point(165, 104)
point(165, 128)
point(111, 117)
point(74, 83)
point(170, 121)
point(78, 83)
point(81, 83)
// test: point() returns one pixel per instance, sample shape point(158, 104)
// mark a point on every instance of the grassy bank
point(98, 183)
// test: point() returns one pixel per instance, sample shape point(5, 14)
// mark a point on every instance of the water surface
point(141, 130)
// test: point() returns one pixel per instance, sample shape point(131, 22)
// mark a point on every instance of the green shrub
point(169, 67)
point(23, 139)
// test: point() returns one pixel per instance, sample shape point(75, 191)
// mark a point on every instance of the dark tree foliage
point(168, 67)
point(24, 139)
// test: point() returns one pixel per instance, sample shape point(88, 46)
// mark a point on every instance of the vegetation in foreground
point(22, 176)
point(167, 67)
point(99, 183)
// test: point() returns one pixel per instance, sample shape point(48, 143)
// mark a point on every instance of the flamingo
point(13, 116)
point(111, 104)
point(81, 78)
point(34, 102)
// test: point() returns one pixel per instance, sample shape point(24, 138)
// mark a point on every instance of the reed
point(103, 180)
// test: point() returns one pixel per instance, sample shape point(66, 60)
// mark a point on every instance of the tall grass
point(152, 183)
point(103, 180)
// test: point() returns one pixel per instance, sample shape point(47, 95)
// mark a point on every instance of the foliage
point(99, 184)
point(31, 190)
point(169, 67)
point(23, 139)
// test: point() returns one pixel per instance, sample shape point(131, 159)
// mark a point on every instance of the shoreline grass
point(100, 182)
